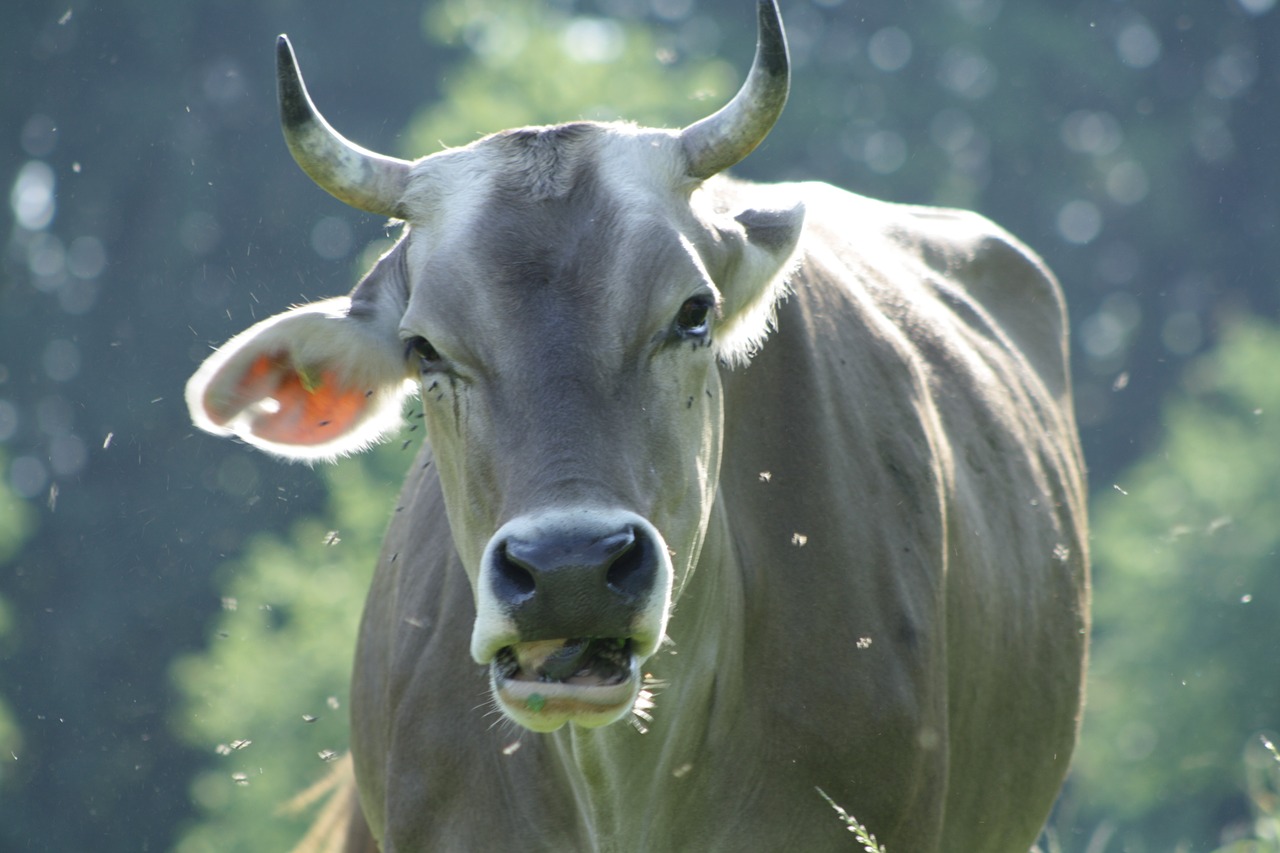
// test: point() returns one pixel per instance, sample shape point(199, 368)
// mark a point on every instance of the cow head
point(560, 297)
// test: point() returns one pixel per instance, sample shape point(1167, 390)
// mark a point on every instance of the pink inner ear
point(314, 408)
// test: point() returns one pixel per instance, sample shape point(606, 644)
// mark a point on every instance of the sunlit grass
point(860, 832)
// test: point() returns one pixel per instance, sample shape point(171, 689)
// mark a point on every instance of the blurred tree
point(529, 65)
point(269, 694)
point(17, 523)
point(1185, 669)
point(1262, 783)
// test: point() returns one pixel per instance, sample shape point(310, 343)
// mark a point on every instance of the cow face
point(565, 339)
point(565, 344)
point(561, 297)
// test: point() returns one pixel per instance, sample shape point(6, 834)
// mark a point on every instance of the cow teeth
point(505, 662)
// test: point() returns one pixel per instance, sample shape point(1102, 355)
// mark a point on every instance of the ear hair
point(757, 279)
point(311, 383)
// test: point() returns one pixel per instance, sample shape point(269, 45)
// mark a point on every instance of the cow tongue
point(555, 660)
point(573, 657)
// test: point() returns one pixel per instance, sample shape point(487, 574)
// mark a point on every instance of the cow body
point(734, 496)
point(918, 657)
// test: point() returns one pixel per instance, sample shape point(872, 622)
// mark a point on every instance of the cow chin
point(544, 684)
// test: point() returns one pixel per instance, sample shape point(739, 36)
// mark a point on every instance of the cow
point(735, 497)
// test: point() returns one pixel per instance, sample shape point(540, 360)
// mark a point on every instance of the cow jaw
point(546, 683)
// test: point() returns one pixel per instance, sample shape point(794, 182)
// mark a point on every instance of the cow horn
point(719, 141)
point(354, 175)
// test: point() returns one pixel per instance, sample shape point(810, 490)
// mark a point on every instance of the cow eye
point(419, 346)
point(691, 319)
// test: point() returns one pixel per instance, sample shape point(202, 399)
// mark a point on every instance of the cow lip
point(544, 684)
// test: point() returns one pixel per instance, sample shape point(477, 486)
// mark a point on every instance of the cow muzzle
point(569, 606)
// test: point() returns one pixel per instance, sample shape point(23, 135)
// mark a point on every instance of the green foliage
point(530, 65)
point(1187, 604)
point(17, 522)
point(1262, 763)
point(268, 697)
point(10, 733)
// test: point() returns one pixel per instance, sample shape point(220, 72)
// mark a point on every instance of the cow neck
point(694, 715)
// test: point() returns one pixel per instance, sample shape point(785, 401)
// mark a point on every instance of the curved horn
point(354, 175)
point(724, 138)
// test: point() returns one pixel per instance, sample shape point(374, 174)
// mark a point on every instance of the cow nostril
point(512, 579)
point(630, 572)
point(567, 576)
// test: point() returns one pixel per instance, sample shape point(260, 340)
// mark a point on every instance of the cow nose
point(573, 583)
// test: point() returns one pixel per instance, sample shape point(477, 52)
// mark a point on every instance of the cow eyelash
point(427, 354)
point(694, 315)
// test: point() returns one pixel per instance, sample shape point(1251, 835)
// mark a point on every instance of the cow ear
point(765, 241)
point(315, 382)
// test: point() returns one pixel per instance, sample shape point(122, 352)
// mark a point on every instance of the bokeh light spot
point(1079, 221)
point(1137, 45)
point(978, 12)
point(331, 238)
point(593, 40)
point(1231, 73)
point(86, 258)
point(967, 73)
point(890, 49)
point(67, 455)
point(32, 196)
point(1127, 182)
point(1107, 333)
point(46, 260)
point(28, 476)
point(1257, 7)
point(884, 152)
point(1091, 132)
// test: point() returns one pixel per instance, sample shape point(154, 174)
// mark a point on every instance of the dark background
point(154, 211)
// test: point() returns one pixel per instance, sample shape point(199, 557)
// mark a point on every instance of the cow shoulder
point(1008, 280)
point(983, 275)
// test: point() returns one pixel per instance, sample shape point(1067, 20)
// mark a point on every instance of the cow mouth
point(543, 684)
point(584, 661)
